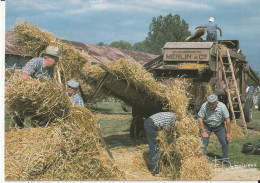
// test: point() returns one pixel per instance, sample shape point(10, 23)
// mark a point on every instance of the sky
point(94, 21)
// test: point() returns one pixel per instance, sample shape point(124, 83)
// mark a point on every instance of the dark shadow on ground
point(212, 155)
point(123, 140)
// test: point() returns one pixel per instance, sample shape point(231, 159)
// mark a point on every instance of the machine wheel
point(248, 109)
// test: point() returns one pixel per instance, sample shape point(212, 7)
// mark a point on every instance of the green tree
point(121, 44)
point(140, 46)
point(165, 29)
point(101, 44)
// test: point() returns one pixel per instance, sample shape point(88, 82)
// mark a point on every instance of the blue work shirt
point(211, 31)
point(36, 69)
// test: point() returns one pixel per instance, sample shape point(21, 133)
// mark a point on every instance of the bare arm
point(220, 30)
point(25, 76)
point(204, 133)
point(228, 128)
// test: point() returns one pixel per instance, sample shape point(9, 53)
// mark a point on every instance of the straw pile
point(43, 103)
point(36, 40)
point(70, 148)
point(131, 84)
point(199, 67)
point(67, 151)
point(200, 32)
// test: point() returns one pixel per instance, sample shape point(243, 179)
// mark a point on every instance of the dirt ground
point(129, 159)
point(124, 159)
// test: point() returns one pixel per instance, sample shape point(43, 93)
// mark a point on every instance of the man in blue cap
point(212, 115)
point(211, 30)
point(72, 89)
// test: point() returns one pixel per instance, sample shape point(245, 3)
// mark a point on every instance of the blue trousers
point(221, 134)
point(151, 134)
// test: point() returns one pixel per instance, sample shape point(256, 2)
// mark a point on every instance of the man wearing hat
point(212, 115)
point(211, 30)
point(72, 89)
point(38, 68)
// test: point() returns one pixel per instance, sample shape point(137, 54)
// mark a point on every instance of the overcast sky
point(93, 21)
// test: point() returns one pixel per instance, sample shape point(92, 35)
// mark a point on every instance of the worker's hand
point(167, 128)
point(204, 134)
point(228, 137)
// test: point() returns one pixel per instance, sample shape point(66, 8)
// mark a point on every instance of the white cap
point(211, 19)
point(212, 98)
point(73, 84)
point(53, 51)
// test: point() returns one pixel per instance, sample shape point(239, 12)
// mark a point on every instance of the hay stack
point(74, 151)
point(36, 40)
point(70, 150)
point(45, 103)
point(131, 84)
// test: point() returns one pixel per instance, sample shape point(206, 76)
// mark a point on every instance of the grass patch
point(113, 124)
point(236, 156)
point(108, 107)
point(256, 117)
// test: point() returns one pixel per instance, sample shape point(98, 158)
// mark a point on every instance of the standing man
point(40, 69)
point(156, 122)
point(211, 30)
point(72, 89)
point(212, 115)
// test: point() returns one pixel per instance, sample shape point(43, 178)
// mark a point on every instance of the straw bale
point(200, 32)
point(195, 168)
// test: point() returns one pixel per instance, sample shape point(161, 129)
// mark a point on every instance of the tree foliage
point(165, 29)
point(121, 44)
point(161, 30)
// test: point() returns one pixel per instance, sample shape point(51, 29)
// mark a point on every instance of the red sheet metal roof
point(96, 53)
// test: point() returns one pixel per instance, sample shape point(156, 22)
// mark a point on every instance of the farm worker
point(212, 115)
point(211, 30)
point(251, 89)
point(156, 122)
point(255, 96)
point(40, 68)
point(72, 89)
